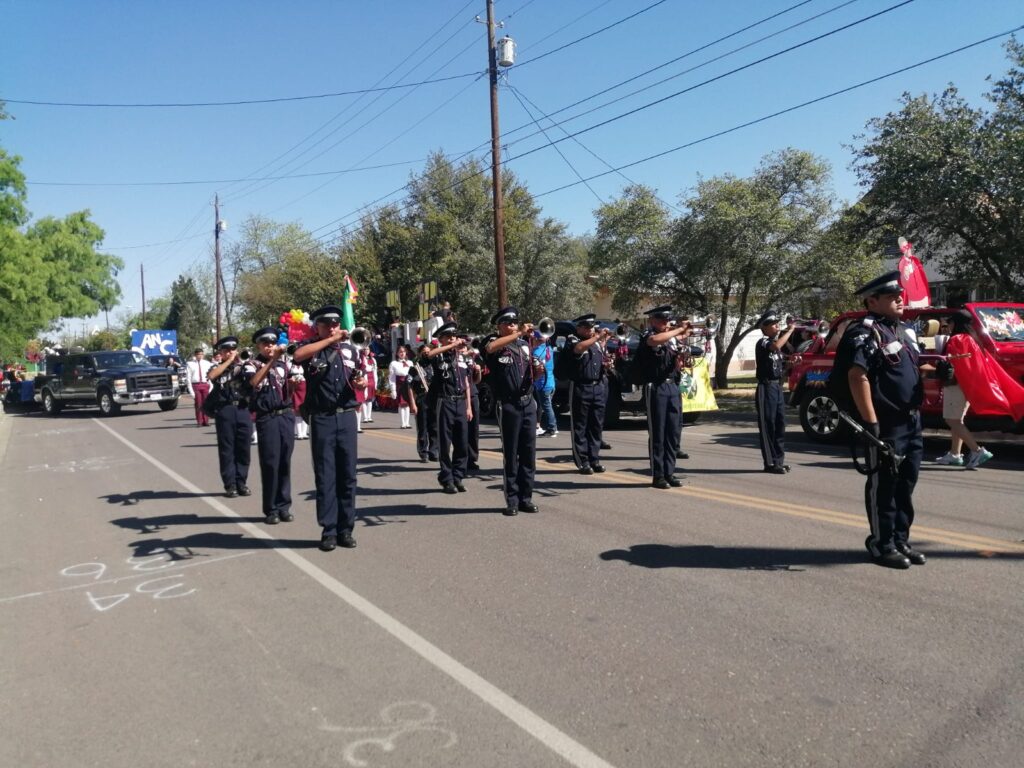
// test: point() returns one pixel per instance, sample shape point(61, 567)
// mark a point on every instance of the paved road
point(148, 621)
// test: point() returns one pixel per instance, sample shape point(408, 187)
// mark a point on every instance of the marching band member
point(510, 361)
point(417, 388)
point(661, 361)
point(332, 380)
point(588, 393)
point(769, 401)
point(398, 373)
point(450, 396)
point(233, 422)
point(269, 401)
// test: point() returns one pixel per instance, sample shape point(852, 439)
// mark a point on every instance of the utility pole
point(499, 203)
point(216, 255)
point(142, 279)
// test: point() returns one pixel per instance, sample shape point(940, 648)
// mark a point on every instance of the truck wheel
point(107, 405)
point(613, 410)
point(50, 405)
point(819, 418)
point(168, 405)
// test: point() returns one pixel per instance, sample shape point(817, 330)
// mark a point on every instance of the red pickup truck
point(1000, 326)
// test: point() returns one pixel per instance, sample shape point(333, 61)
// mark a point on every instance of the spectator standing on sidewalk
point(198, 387)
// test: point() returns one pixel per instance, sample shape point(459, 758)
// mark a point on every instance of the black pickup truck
point(108, 380)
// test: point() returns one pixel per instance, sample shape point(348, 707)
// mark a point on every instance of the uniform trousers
point(664, 408)
point(234, 436)
point(474, 431)
point(333, 445)
point(452, 439)
point(888, 495)
point(517, 427)
point(200, 389)
point(277, 440)
point(586, 414)
point(771, 422)
point(426, 427)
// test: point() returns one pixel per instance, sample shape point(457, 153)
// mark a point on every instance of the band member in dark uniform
point(450, 396)
point(661, 360)
point(270, 402)
point(233, 422)
point(768, 399)
point(475, 374)
point(332, 380)
point(885, 385)
point(418, 388)
point(588, 393)
point(510, 362)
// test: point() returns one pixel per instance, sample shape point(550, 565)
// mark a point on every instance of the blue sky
point(144, 52)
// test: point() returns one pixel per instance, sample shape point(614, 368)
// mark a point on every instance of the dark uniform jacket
point(270, 396)
point(328, 375)
point(769, 361)
point(889, 355)
point(587, 368)
point(448, 376)
point(659, 362)
point(511, 371)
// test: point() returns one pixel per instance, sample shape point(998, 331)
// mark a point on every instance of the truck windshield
point(1005, 323)
point(120, 360)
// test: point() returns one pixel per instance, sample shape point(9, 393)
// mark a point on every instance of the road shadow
point(762, 559)
point(134, 497)
point(149, 525)
point(194, 545)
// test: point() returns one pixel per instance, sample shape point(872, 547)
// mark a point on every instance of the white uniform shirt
point(198, 370)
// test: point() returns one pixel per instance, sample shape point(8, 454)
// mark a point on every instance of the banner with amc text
point(155, 342)
point(695, 387)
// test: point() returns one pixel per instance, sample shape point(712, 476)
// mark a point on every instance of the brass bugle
point(359, 337)
point(621, 332)
point(545, 328)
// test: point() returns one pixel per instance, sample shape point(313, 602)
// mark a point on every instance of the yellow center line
point(983, 544)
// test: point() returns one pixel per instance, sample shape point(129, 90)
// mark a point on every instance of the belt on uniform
point(769, 381)
point(345, 410)
point(452, 398)
point(277, 411)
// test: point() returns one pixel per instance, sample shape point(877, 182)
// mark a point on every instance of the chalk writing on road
point(158, 588)
point(397, 720)
point(93, 464)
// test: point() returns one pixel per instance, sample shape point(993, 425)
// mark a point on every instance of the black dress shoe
point(915, 557)
point(660, 483)
point(231, 492)
point(775, 470)
point(286, 517)
point(675, 482)
point(434, 457)
point(243, 490)
point(272, 519)
point(473, 467)
point(509, 512)
point(328, 543)
point(528, 506)
point(460, 488)
point(605, 446)
point(891, 559)
point(423, 459)
point(586, 470)
point(448, 488)
point(682, 455)
point(598, 468)
point(347, 541)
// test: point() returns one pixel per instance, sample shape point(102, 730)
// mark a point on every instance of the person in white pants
point(398, 373)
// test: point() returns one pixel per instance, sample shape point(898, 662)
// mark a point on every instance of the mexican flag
point(348, 300)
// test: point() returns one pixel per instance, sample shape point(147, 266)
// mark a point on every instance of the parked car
point(1001, 329)
point(107, 379)
point(174, 363)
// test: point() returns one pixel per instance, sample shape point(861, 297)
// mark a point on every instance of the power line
point(787, 110)
point(149, 245)
point(579, 18)
point(240, 102)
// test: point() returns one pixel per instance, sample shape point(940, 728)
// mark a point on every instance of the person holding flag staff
point(768, 398)
point(233, 422)
point(588, 392)
point(511, 364)
point(449, 393)
point(332, 380)
point(270, 402)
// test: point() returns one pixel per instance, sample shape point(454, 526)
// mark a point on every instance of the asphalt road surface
point(149, 621)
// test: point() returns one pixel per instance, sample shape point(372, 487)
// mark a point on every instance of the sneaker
point(951, 459)
point(976, 459)
point(540, 431)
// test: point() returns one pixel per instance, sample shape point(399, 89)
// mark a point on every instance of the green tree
point(188, 315)
point(742, 245)
point(949, 176)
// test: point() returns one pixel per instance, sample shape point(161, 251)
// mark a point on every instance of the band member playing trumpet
point(770, 404)
point(449, 391)
point(588, 392)
point(332, 380)
point(270, 403)
point(511, 364)
point(232, 419)
point(661, 359)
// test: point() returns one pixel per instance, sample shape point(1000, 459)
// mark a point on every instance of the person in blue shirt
point(544, 387)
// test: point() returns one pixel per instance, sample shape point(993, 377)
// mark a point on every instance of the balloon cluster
point(299, 326)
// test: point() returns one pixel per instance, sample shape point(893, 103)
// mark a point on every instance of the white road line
point(547, 734)
point(144, 575)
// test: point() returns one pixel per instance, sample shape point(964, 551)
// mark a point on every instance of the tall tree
point(188, 315)
point(949, 175)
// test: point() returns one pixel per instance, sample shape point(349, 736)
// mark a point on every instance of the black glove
point(944, 372)
point(873, 429)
